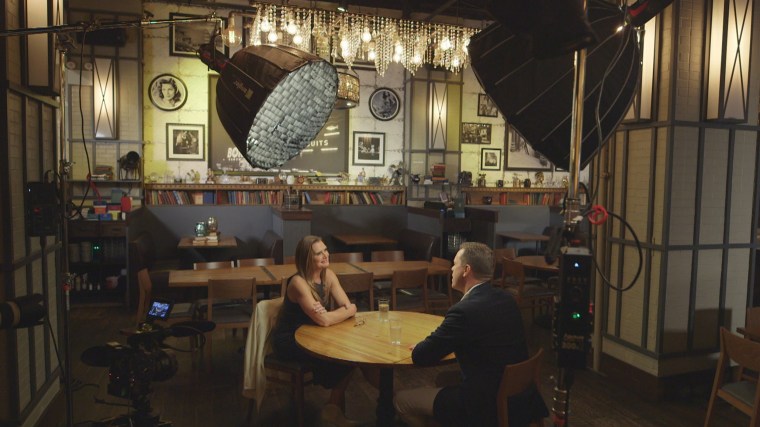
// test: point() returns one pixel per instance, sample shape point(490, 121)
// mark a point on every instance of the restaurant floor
point(194, 397)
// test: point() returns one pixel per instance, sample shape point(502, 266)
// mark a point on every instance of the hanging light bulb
point(265, 25)
point(272, 36)
point(455, 62)
point(416, 59)
point(366, 36)
point(446, 43)
point(371, 55)
point(230, 36)
point(344, 44)
point(398, 49)
point(298, 39)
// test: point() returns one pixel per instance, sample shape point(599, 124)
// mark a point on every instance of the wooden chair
point(254, 262)
point(744, 395)
point(228, 316)
point(296, 374)
point(750, 330)
point(347, 257)
point(498, 255)
point(397, 255)
point(516, 379)
point(527, 295)
point(409, 290)
point(356, 283)
point(180, 312)
point(436, 296)
point(214, 265)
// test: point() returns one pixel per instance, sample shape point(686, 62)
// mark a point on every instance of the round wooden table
point(538, 262)
point(368, 344)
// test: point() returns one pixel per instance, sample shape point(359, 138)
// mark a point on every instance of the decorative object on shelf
point(186, 38)
point(353, 38)
point(481, 180)
point(369, 148)
point(212, 225)
point(476, 133)
point(384, 104)
point(486, 106)
point(348, 90)
point(490, 159)
point(515, 180)
point(500, 183)
point(167, 92)
point(185, 142)
point(464, 178)
point(130, 164)
point(360, 178)
point(200, 229)
point(209, 176)
point(520, 155)
point(539, 179)
point(565, 182)
point(487, 200)
point(526, 183)
point(415, 178)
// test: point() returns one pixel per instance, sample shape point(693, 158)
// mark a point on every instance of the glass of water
point(383, 306)
point(395, 326)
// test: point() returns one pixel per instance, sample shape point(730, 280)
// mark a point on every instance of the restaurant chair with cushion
point(498, 255)
point(228, 316)
point(742, 394)
point(262, 365)
point(180, 312)
point(409, 290)
point(356, 283)
point(750, 330)
point(347, 257)
point(254, 262)
point(439, 292)
point(213, 265)
point(516, 379)
point(527, 295)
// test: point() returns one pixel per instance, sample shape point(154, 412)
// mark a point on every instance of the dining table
point(523, 236)
point(264, 274)
point(383, 270)
point(365, 341)
point(538, 262)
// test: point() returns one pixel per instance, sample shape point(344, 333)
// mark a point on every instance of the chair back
point(253, 262)
point(271, 246)
point(516, 379)
point(752, 324)
point(742, 394)
point(145, 292)
point(359, 282)
point(409, 279)
point(397, 255)
point(214, 265)
point(290, 259)
point(513, 277)
point(230, 289)
point(347, 257)
point(258, 346)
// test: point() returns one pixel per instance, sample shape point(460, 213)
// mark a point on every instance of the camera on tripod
point(133, 367)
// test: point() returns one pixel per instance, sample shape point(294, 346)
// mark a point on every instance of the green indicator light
point(575, 315)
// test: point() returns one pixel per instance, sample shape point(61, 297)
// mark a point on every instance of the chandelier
point(353, 38)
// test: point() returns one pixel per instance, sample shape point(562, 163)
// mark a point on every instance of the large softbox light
point(536, 96)
point(272, 100)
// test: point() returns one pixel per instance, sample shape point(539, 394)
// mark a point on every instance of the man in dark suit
point(485, 331)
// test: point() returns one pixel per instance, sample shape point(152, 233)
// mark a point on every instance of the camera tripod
point(142, 417)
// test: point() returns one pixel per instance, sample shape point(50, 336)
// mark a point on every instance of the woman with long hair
point(306, 301)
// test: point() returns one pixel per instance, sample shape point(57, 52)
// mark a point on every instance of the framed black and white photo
point(185, 142)
point(369, 148)
point(486, 107)
point(186, 37)
point(167, 92)
point(520, 155)
point(384, 104)
point(490, 159)
point(476, 133)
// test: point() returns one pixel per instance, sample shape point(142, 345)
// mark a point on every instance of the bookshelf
point(272, 194)
point(351, 194)
point(514, 196)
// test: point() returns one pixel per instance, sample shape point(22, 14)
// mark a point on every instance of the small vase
point(212, 225)
point(200, 229)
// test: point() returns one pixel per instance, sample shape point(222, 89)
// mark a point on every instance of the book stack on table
point(212, 239)
point(199, 241)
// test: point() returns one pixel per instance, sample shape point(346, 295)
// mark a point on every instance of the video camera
point(132, 367)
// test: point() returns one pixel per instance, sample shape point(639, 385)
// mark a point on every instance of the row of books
point(178, 197)
point(549, 199)
point(352, 198)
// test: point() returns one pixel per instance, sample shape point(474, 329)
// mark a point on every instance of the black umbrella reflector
point(536, 96)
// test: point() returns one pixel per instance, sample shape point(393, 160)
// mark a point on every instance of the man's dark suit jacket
point(485, 331)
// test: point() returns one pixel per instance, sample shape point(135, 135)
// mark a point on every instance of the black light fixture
point(130, 164)
point(343, 6)
point(272, 100)
point(348, 90)
point(536, 95)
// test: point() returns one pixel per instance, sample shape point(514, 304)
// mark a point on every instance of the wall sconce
point(438, 115)
point(104, 98)
point(348, 91)
point(727, 69)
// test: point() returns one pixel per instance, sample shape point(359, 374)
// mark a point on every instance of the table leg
point(385, 410)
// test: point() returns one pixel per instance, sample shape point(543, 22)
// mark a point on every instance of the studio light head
point(22, 312)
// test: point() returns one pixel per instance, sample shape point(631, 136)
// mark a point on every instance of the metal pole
point(579, 86)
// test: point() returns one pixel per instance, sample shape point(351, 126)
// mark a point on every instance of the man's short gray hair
point(480, 259)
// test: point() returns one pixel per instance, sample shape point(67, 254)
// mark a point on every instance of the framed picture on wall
point(520, 155)
point(186, 37)
point(486, 107)
point(490, 159)
point(167, 92)
point(476, 133)
point(369, 148)
point(185, 142)
point(384, 104)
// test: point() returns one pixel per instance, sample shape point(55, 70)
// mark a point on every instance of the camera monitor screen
point(159, 309)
